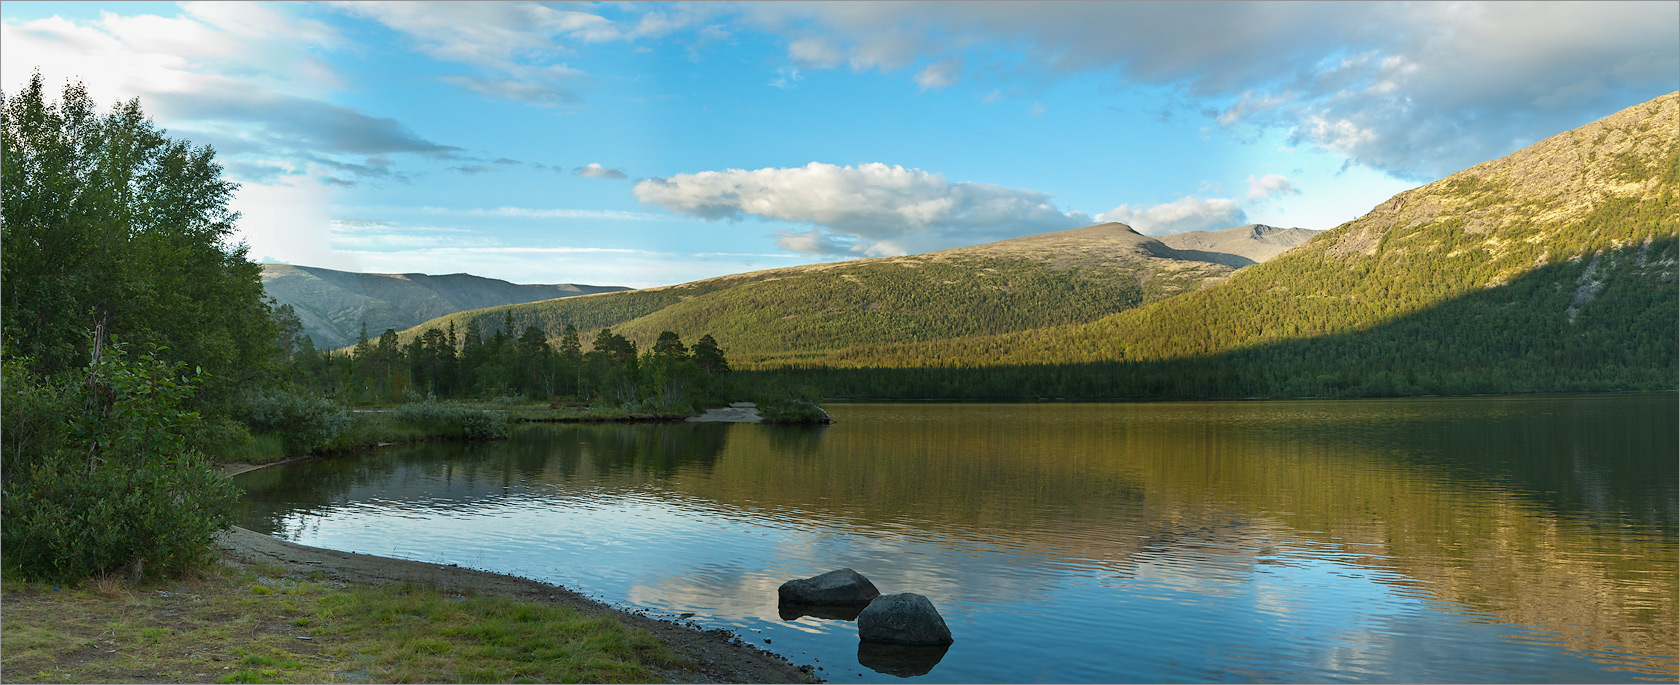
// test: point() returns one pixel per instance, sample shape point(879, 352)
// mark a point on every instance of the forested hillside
point(784, 315)
point(1550, 269)
point(333, 305)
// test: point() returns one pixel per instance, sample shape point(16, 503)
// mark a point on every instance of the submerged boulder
point(843, 587)
point(903, 619)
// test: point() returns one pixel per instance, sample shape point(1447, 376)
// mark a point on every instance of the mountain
point(784, 315)
point(1241, 246)
point(333, 304)
point(1550, 269)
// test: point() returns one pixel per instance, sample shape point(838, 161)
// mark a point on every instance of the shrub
point(304, 423)
point(104, 477)
point(453, 421)
point(793, 406)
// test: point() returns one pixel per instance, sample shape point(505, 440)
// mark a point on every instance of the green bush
point(304, 423)
point(792, 406)
point(446, 420)
point(99, 473)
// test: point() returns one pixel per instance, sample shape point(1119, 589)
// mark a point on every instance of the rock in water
point(835, 588)
point(905, 619)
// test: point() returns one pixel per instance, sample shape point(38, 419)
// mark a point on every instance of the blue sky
point(652, 143)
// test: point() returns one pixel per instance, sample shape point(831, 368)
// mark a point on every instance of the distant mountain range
point(1550, 269)
point(788, 314)
point(332, 305)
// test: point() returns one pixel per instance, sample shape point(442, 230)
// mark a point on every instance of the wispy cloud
point(1270, 186)
point(595, 170)
point(514, 212)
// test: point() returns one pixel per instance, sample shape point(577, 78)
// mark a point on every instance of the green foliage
point(303, 422)
point(454, 421)
point(794, 405)
point(107, 221)
point(99, 474)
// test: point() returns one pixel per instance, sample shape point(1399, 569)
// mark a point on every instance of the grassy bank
point(254, 624)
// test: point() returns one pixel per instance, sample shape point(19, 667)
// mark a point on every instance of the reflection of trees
point(456, 474)
point(1556, 513)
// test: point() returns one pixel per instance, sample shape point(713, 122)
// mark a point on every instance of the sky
point(644, 144)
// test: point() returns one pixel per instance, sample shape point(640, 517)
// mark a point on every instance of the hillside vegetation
point(333, 305)
point(1552, 268)
point(786, 315)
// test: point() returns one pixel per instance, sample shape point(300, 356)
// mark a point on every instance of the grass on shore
point(248, 625)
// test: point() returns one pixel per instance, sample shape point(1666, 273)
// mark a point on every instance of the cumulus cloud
point(1269, 186)
point(1415, 90)
point(595, 170)
point(873, 209)
point(1189, 213)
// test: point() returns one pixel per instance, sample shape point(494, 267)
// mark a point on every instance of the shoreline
point(718, 656)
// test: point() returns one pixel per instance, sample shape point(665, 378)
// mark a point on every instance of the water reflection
point(904, 661)
point(1461, 540)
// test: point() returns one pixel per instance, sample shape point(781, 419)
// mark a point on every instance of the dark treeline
point(670, 377)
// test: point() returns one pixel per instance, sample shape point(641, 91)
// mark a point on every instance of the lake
point(1526, 539)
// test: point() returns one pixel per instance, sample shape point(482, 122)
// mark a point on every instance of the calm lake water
point(1460, 540)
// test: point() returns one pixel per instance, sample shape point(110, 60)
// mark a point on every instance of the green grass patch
point(256, 625)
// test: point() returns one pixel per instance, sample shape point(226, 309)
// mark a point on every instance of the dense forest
point(667, 378)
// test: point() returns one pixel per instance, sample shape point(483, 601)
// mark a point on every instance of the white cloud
point(941, 74)
point(1418, 90)
point(243, 77)
point(1189, 213)
point(815, 52)
point(874, 207)
point(515, 213)
point(516, 47)
point(786, 77)
point(289, 222)
point(595, 170)
point(1269, 186)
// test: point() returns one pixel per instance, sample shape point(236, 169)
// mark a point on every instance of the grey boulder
point(844, 587)
point(904, 619)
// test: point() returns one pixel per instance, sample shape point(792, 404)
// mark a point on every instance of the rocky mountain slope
point(1249, 244)
point(332, 305)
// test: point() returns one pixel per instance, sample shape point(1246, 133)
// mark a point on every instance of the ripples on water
point(1472, 540)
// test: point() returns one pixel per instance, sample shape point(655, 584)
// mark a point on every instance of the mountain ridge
point(332, 304)
point(787, 311)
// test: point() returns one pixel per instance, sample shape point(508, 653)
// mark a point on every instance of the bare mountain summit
point(1239, 247)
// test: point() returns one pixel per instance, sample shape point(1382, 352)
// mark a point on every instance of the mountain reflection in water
point(1481, 539)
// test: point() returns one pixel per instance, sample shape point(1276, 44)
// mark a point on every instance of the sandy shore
point(720, 656)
